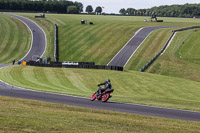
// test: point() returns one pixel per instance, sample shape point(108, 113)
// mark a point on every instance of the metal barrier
point(164, 48)
point(84, 65)
point(56, 55)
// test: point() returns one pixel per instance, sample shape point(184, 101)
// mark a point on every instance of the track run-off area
point(38, 48)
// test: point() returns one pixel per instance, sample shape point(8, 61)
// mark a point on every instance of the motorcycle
point(104, 97)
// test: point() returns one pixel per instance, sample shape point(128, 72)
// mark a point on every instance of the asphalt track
point(11, 91)
point(124, 55)
point(38, 45)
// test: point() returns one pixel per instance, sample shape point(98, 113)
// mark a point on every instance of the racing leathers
point(107, 85)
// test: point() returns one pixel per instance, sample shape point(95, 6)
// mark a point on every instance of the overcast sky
point(113, 6)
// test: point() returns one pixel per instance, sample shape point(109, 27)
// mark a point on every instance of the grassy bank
point(180, 60)
point(15, 39)
point(17, 115)
point(131, 87)
point(150, 47)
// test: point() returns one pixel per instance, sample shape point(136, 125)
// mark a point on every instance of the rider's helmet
point(108, 80)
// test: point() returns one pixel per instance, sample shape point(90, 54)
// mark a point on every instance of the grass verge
point(130, 87)
point(17, 115)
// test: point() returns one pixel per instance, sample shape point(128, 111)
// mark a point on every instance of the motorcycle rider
point(107, 85)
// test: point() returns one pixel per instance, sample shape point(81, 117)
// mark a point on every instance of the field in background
point(99, 42)
point(24, 116)
point(131, 87)
point(15, 39)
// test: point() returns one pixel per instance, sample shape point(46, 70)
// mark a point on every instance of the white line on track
point(125, 45)
point(137, 49)
point(32, 34)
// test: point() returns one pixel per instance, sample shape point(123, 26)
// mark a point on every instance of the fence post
point(56, 55)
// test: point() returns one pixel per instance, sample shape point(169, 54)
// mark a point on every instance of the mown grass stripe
point(73, 49)
point(7, 35)
point(55, 82)
point(62, 79)
point(90, 48)
point(40, 75)
point(132, 87)
point(10, 42)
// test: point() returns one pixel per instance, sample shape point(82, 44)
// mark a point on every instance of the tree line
point(58, 6)
point(186, 10)
point(89, 10)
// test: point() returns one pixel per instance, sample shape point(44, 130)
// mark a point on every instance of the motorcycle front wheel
point(93, 97)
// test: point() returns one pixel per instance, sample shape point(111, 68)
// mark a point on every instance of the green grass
point(150, 47)
point(99, 42)
point(180, 60)
point(24, 116)
point(15, 39)
point(190, 50)
point(131, 87)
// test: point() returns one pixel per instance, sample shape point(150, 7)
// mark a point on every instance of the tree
point(130, 11)
point(72, 10)
point(89, 9)
point(122, 11)
point(58, 6)
point(79, 6)
point(98, 10)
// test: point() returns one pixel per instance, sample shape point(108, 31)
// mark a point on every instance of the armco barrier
point(164, 48)
point(84, 65)
point(56, 55)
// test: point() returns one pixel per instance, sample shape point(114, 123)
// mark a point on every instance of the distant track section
point(124, 55)
point(38, 44)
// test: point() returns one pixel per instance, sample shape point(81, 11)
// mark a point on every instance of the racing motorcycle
point(104, 97)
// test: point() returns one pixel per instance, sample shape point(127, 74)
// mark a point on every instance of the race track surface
point(123, 56)
point(10, 91)
point(38, 39)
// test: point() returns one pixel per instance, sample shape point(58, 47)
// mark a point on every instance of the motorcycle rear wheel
point(93, 97)
point(105, 97)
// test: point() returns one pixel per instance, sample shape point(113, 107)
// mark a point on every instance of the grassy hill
point(17, 115)
point(131, 87)
point(15, 39)
point(98, 42)
point(180, 60)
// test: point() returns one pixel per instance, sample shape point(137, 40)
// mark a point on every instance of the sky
point(113, 6)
